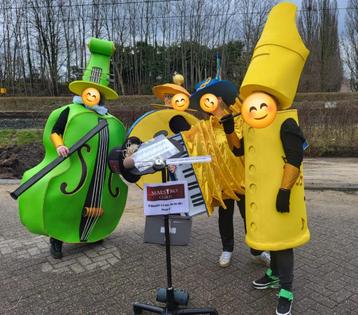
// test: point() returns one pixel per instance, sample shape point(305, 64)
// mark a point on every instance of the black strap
point(35, 178)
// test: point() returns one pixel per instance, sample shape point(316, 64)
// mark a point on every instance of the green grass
point(20, 137)
point(323, 140)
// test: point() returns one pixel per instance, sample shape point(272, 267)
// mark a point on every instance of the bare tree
point(318, 24)
point(308, 24)
point(48, 28)
point(43, 42)
point(67, 24)
point(252, 21)
point(351, 42)
point(331, 64)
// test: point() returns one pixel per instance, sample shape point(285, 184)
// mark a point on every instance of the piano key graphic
point(187, 173)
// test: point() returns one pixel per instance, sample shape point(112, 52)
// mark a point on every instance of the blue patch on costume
point(305, 145)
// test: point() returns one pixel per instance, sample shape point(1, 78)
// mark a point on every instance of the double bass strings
point(104, 165)
point(102, 174)
point(96, 198)
point(97, 184)
point(84, 231)
point(90, 221)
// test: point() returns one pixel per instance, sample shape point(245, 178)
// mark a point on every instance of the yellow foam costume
point(151, 123)
point(278, 58)
point(223, 178)
point(275, 69)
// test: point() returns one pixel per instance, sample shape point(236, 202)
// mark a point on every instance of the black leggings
point(226, 224)
point(282, 267)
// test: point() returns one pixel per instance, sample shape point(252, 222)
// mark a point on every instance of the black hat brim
point(225, 89)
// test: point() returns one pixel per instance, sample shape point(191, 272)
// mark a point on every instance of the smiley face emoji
point(259, 110)
point(209, 103)
point(91, 97)
point(180, 101)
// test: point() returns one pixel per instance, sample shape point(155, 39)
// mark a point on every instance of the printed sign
point(166, 198)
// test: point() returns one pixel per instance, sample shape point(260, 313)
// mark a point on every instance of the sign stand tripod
point(173, 298)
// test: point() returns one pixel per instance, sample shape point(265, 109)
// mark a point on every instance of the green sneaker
point(268, 281)
point(285, 299)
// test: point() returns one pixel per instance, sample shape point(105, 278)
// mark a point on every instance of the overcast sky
point(340, 4)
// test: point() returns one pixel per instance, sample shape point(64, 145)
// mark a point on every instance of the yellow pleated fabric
point(222, 178)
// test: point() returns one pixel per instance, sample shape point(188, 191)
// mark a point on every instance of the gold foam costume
point(275, 69)
point(223, 178)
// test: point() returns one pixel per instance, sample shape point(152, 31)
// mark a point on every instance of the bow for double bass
point(22, 188)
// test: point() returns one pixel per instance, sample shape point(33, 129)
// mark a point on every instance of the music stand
point(172, 298)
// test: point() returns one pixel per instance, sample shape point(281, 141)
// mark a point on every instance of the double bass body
point(81, 199)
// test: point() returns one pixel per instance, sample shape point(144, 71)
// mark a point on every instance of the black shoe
point(268, 281)
point(56, 248)
point(284, 305)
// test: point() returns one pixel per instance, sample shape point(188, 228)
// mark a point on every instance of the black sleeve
point(116, 158)
point(60, 124)
point(178, 123)
point(127, 175)
point(240, 151)
point(292, 141)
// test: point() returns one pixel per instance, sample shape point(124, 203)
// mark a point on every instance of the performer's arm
point(292, 141)
point(117, 158)
point(57, 133)
point(236, 145)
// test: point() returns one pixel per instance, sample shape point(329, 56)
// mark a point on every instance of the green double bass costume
point(57, 205)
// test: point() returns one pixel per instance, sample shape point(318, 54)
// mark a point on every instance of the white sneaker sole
point(224, 265)
point(288, 313)
point(274, 286)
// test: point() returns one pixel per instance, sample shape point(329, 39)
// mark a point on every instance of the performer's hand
point(130, 148)
point(128, 162)
point(62, 150)
point(172, 168)
point(283, 200)
point(228, 123)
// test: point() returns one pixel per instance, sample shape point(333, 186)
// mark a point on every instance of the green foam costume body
point(54, 206)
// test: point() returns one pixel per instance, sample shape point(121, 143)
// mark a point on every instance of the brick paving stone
point(106, 278)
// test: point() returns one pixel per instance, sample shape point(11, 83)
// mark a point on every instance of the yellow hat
point(171, 88)
point(168, 88)
point(278, 58)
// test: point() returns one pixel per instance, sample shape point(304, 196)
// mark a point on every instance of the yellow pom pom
point(178, 79)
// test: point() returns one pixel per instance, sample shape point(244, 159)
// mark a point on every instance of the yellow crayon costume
point(268, 229)
point(275, 69)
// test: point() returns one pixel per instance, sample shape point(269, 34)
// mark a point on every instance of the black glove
point(283, 200)
point(228, 123)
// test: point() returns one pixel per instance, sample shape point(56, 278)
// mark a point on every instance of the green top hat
point(96, 74)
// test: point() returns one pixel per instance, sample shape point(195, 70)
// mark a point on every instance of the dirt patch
point(15, 160)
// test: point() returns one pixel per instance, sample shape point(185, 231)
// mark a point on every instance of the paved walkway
point(331, 173)
point(107, 278)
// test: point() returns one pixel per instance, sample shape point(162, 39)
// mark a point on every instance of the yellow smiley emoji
point(259, 110)
point(180, 101)
point(209, 103)
point(91, 97)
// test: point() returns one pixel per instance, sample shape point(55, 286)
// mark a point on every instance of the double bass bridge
point(94, 212)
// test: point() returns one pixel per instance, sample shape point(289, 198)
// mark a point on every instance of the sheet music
point(158, 148)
